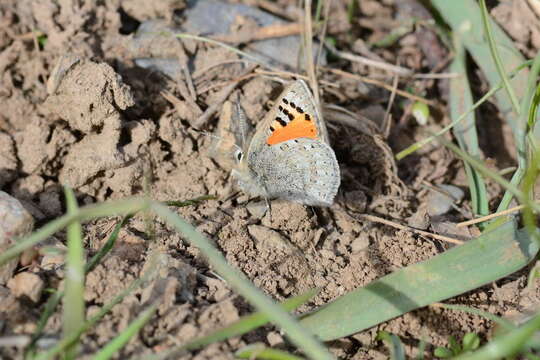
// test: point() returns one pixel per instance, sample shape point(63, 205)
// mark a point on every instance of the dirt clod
point(26, 284)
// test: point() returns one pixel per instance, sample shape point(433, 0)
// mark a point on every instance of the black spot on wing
point(299, 109)
point(281, 121)
point(308, 118)
point(285, 101)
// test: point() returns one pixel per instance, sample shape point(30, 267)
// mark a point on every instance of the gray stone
point(15, 222)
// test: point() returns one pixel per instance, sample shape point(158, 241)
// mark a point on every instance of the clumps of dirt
point(521, 20)
point(8, 160)
point(107, 125)
point(100, 150)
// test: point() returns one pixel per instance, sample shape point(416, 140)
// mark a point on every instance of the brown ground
point(77, 110)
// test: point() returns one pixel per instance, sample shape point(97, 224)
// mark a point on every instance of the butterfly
point(288, 156)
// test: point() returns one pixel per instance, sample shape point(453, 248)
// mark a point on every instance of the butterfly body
point(289, 156)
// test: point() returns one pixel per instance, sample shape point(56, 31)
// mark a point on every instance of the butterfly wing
point(301, 170)
point(294, 115)
point(289, 156)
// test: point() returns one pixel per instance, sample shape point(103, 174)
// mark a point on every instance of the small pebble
point(266, 238)
point(257, 209)
point(439, 203)
point(15, 222)
point(359, 244)
point(26, 284)
point(274, 339)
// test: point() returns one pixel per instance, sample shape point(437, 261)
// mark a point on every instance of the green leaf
point(461, 99)
point(455, 347)
point(471, 341)
point(259, 351)
point(506, 345)
point(443, 353)
point(394, 344)
point(73, 315)
point(492, 256)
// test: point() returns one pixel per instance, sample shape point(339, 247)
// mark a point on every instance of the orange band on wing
point(301, 126)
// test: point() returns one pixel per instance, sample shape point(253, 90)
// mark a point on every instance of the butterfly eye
point(238, 154)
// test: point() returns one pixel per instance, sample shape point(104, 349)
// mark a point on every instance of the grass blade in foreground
point(301, 337)
point(73, 312)
point(72, 338)
point(478, 262)
point(110, 208)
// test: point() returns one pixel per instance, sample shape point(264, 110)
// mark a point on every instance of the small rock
point(27, 187)
point(15, 222)
point(53, 257)
point(28, 256)
point(268, 238)
point(8, 159)
point(257, 209)
point(451, 229)
point(171, 280)
point(420, 219)
point(359, 244)
point(274, 339)
point(439, 203)
point(356, 200)
point(26, 284)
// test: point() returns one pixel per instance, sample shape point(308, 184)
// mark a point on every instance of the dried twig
point(223, 95)
point(399, 70)
point(491, 216)
point(261, 33)
point(396, 225)
point(382, 85)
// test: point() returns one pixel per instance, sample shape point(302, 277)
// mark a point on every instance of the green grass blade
point(465, 18)
point(190, 202)
point(414, 147)
point(495, 54)
point(530, 180)
point(259, 351)
point(478, 262)
point(479, 166)
point(505, 324)
point(301, 337)
point(496, 57)
point(115, 345)
point(506, 345)
point(465, 131)
point(73, 314)
point(109, 244)
point(394, 344)
point(74, 337)
point(55, 299)
point(50, 307)
point(528, 104)
point(240, 327)
point(113, 208)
